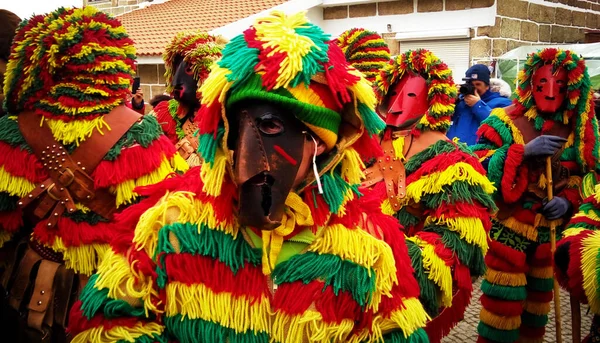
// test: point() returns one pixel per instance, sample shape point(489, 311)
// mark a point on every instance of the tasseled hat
point(440, 85)
point(198, 49)
point(291, 62)
point(364, 50)
point(69, 64)
point(579, 109)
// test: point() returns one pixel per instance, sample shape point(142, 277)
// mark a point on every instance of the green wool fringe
point(458, 191)
point(418, 336)
point(90, 218)
point(94, 301)
point(406, 218)
point(187, 330)
point(469, 255)
point(8, 202)
point(239, 59)
point(500, 127)
point(534, 320)
point(429, 292)
point(10, 133)
point(373, 123)
point(143, 133)
point(334, 190)
point(439, 147)
point(540, 285)
point(173, 107)
point(207, 147)
point(493, 334)
point(517, 293)
point(333, 271)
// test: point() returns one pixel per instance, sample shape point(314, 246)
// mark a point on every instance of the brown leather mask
point(268, 150)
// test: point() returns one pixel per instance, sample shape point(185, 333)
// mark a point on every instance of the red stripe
point(285, 155)
point(442, 162)
point(166, 121)
point(74, 233)
point(501, 264)
point(462, 209)
point(488, 132)
point(514, 179)
point(133, 163)
point(506, 253)
point(78, 322)
point(21, 163)
point(540, 297)
point(542, 257)
point(326, 96)
point(189, 269)
point(532, 332)
point(11, 221)
point(502, 307)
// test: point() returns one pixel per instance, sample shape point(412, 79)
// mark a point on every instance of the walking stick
point(549, 188)
point(575, 319)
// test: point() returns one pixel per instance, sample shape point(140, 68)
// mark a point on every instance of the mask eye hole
point(561, 82)
point(543, 80)
point(412, 95)
point(270, 125)
point(189, 70)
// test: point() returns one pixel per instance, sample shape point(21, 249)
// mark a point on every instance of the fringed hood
point(440, 86)
point(288, 61)
point(579, 109)
point(364, 50)
point(199, 49)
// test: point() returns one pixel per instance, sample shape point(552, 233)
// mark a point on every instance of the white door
point(453, 52)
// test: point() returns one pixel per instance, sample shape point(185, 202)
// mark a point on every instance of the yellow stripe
point(124, 191)
point(525, 230)
point(505, 279)
point(438, 271)
point(470, 229)
point(409, 318)
point(14, 185)
point(309, 327)
point(589, 264)
point(328, 137)
point(536, 307)
point(574, 231)
point(363, 249)
point(75, 131)
point(199, 302)
point(82, 109)
point(179, 164)
point(362, 91)
point(118, 333)
point(516, 134)
point(306, 95)
point(213, 174)
point(499, 322)
point(541, 272)
point(83, 259)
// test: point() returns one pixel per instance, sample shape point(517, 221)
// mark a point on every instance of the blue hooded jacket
point(466, 120)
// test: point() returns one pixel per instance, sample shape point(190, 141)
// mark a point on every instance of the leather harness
point(188, 145)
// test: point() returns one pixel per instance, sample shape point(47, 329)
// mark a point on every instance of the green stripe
point(439, 147)
point(500, 127)
point(533, 320)
point(418, 336)
point(143, 133)
point(429, 291)
point(188, 330)
point(9, 133)
point(341, 275)
point(468, 254)
point(8, 202)
point(540, 285)
point(504, 292)
point(458, 191)
point(95, 301)
point(491, 333)
point(90, 218)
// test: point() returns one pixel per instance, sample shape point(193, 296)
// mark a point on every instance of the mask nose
point(552, 90)
point(396, 107)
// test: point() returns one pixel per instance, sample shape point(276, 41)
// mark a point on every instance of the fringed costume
point(435, 188)
point(68, 70)
point(517, 289)
point(199, 51)
point(196, 275)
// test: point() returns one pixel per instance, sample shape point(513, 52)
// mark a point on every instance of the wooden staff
point(575, 319)
point(549, 188)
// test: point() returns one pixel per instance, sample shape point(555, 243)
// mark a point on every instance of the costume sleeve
point(162, 112)
point(448, 241)
point(500, 150)
point(481, 110)
point(576, 258)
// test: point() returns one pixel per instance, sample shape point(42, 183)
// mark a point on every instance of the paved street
point(466, 331)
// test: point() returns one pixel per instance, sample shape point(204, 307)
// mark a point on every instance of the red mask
point(549, 90)
point(407, 102)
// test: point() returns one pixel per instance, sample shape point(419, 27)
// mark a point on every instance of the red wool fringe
point(441, 162)
point(21, 163)
point(525, 215)
point(335, 308)
point(208, 118)
point(368, 147)
point(462, 209)
point(74, 234)
point(574, 272)
point(248, 282)
point(514, 181)
point(78, 322)
point(441, 325)
point(506, 253)
point(542, 256)
point(320, 210)
point(166, 121)
point(500, 307)
point(11, 221)
point(540, 297)
point(133, 163)
point(295, 298)
point(490, 134)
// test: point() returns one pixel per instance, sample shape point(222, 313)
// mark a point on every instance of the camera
point(467, 88)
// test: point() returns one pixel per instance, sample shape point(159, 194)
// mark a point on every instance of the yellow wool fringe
point(118, 333)
point(180, 165)
point(536, 307)
point(489, 153)
point(541, 272)
point(197, 301)
point(75, 131)
point(124, 190)
point(574, 231)
point(398, 145)
point(470, 229)
point(516, 134)
point(590, 214)
point(409, 318)
point(124, 283)
point(505, 279)
point(589, 264)
point(387, 208)
point(439, 272)
point(4, 237)
point(525, 230)
point(83, 259)
point(433, 183)
point(352, 167)
point(213, 174)
point(358, 246)
point(309, 327)
point(499, 322)
point(362, 90)
point(174, 207)
point(14, 185)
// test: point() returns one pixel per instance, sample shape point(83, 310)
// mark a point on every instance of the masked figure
point(551, 117)
point(434, 187)
point(187, 62)
point(247, 247)
point(10, 22)
point(71, 155)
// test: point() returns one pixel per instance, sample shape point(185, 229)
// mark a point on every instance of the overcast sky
point(26, 8)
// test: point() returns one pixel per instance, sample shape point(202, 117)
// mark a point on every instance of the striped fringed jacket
point(193, 275)
point(141, 157)
point(446, 215)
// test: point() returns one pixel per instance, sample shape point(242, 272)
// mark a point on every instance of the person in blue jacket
point(472, 109)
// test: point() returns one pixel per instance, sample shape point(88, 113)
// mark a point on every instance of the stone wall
point(152, 80)
point(520, 22)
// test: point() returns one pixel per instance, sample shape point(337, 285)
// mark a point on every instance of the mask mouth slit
point(265, 182)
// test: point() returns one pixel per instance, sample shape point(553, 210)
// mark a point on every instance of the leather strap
point(17, 290)
point(8, 271)
point(40, 305)
point(69, 173)
point(63, 294)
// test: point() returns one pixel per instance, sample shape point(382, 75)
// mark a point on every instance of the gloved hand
point(556, 208)
point(544, 145)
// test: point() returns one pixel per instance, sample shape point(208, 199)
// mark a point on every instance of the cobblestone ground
point(466, 331)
